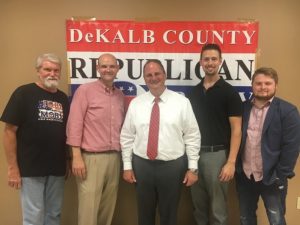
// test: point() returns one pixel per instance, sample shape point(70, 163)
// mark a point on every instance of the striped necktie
point(153, 131)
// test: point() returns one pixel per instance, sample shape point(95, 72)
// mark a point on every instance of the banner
point(176, 44)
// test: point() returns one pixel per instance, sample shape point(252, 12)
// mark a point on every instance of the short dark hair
point(158, 62)
point(267, 71)
point(211, 46)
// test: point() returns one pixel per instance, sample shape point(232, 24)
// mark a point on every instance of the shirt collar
point(261, 107)
point(219, 83)
point(163, 97)
point(105, 88)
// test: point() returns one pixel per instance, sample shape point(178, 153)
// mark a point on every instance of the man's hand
point(10, 148)
point(227, 172)
point(190, 178)
point(128, 175)
point(78, 167)
point(14, 178)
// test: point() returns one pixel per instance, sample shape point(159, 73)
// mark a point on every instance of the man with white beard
point(35, 143)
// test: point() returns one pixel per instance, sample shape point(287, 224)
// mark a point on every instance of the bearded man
point(35, 120)
point(269, 150)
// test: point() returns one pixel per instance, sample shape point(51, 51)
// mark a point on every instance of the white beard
point(50, 82)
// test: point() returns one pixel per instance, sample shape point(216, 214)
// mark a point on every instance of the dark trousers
point(273, 196)
point(159, 184)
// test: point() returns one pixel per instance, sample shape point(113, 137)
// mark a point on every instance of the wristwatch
point(194, 171)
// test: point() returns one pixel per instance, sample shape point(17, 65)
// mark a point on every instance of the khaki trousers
point(97, 194)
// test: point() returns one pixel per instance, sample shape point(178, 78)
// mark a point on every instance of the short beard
point(264, 98)
point(210, 74)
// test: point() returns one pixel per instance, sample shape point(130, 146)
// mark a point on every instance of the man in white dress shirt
point(159, 180)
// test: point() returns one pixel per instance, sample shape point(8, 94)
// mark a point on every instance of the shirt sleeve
point(191, 137)
point(127, 138)
point(12, 113)
point(234, 104)
point(76, 117)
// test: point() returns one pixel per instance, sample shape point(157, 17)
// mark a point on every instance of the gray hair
point(47, 57)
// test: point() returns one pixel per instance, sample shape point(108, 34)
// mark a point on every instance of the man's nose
point(108, 69)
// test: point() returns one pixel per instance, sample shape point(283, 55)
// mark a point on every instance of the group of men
point(166, 141)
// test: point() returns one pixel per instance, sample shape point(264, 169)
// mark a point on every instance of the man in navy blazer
point(269, 150)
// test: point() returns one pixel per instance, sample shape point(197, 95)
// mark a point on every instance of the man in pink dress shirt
point(93, 131)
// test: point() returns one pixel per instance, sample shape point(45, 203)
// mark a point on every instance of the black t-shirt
point(213, 108)
point(41, 118)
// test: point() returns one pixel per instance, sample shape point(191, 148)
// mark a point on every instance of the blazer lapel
point(270, 114)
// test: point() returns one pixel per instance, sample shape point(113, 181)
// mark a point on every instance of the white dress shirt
point(178, 129)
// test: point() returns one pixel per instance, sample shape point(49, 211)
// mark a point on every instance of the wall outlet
point(298, 203)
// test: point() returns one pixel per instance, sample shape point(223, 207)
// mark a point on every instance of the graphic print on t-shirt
point(50, 111)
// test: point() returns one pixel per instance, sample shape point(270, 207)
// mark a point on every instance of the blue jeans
point(41, 199)
point(273, 196)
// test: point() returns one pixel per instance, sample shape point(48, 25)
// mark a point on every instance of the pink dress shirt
point(252, 159)
point(96, 117)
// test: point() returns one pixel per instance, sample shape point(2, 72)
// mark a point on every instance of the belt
point(212, 148)
point(100, 152)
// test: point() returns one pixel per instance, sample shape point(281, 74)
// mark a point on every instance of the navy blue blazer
point(280, 142)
